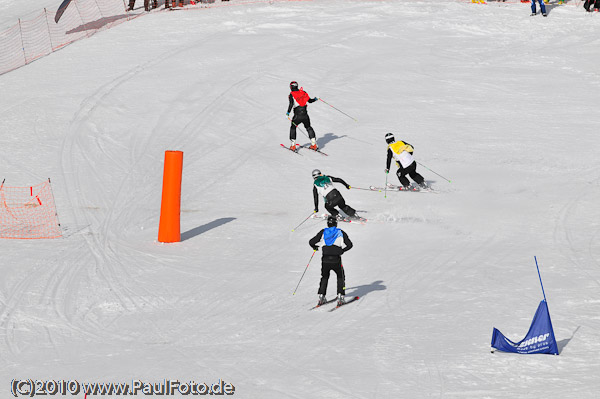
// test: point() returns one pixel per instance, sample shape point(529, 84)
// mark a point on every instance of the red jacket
point(301, 97)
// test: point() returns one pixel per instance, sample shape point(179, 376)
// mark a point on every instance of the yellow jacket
point(399, 146)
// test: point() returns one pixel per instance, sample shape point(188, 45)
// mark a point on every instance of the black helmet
point(316, 173)
point(293, 85)
point(331, 221)
point(389, 138)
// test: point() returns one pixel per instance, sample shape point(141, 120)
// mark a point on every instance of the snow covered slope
point(502, 104)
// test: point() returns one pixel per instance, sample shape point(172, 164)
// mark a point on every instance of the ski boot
point(313, 145)
point(340, 300)
point(322, 300)
point(357, 218)
point(294, 146)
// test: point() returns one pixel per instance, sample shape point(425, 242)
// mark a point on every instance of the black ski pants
point(334, 198)
point(301, 119)
point(411, 170)
point(146, 4)
point(332, 263)
point(588, 4)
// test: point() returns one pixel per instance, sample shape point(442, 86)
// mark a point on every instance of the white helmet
point(389, 138)
point(316, 173)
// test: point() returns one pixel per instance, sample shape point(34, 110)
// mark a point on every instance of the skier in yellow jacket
point(402, 153)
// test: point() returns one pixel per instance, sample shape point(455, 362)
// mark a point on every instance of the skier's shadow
point(326, 138)
point(204, 228)
point(564, 342)
point(362, 290)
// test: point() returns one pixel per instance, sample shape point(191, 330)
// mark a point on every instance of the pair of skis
point(393, 187)
point(358, 219)
point(302, 146)
point(354, 298)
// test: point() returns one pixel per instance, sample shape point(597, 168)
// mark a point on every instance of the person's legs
point(542, 6)
point(347, 209)
point(325, 271)
point(341, 278)
point(309, 129)
point(401, 173)
point(412, 172)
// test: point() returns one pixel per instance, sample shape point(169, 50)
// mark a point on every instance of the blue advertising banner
point(539, 339)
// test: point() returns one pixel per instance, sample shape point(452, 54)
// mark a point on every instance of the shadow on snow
point(362, 290)
point(204, 228)
point(564, 342)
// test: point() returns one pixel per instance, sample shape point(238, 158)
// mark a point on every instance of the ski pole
point(302, 130)
point(434, 172)
point(386, 176)
point(361, 188)
point(309, 216)
point(338, 110)
point(313, 254)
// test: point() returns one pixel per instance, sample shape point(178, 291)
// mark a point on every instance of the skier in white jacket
point(402, 153)
point(323, 186)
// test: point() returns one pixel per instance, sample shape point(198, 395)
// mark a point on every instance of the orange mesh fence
point(28, 212)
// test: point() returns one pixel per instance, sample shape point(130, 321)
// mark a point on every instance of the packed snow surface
point(501, 107)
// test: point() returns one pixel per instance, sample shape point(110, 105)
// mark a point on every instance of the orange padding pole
point(169, 228)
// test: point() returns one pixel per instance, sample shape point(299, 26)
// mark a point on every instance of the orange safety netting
point(28, 212)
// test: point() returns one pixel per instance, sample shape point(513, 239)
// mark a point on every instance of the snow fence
point(28, 212)
point(31, 39)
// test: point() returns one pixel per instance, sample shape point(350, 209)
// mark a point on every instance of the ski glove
point(316, 210)
point(287, 114)
point(316, 98)
point(316, 248)
point(387, 171)
point(348, 186)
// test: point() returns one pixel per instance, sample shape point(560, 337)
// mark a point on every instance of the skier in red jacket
point(299, 100)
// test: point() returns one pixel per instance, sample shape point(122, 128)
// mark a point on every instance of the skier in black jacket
point(298, 101)
point(324, 185)
point(589, 4)
point(332, 258)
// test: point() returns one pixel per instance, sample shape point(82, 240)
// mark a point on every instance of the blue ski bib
point(331, 234)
